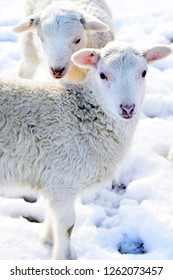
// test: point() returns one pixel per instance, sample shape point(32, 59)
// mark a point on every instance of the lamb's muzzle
point(58, 73)
point(127, 111)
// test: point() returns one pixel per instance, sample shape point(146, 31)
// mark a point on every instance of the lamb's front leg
point(47, 232)
point(63, 219)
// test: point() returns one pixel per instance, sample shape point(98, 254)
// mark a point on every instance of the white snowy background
point(134, 219)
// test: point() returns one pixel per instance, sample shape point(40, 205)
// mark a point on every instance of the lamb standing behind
point(63, 27)
point(61, 139)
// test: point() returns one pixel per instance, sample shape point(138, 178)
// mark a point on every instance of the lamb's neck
point(108, 138)
point(91, 108)
point(91, 86)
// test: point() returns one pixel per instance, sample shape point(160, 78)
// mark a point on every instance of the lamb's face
point(61, 33)
point(120, 73)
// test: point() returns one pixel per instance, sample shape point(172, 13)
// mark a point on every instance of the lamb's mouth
point(58, 73)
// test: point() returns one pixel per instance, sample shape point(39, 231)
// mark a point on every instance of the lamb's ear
point(86, 58)
point(28, 23)
point(156, 53)
point(93, 23)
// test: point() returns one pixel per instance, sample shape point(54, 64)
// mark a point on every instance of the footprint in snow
point(128, 246)
point(119, 188)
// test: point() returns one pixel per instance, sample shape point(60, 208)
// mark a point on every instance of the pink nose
point(58, 72)
point(127, 111)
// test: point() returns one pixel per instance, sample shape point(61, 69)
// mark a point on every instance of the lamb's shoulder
point(34, 6)
point(96, 131)
point(100, 10)
point(93, 6)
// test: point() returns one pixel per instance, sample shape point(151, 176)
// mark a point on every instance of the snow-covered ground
point(131, 220)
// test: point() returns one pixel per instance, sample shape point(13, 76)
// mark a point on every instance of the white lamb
point(63, 27)
point(62, 139)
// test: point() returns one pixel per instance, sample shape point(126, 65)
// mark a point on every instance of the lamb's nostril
point(127, 110)
point(57, 72)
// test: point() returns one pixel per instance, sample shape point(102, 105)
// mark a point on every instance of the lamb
point(63, 138)
point(63, 27)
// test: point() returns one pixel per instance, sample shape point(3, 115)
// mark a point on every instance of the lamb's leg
point(63, 219)
point(47, 233)
point(30, 57)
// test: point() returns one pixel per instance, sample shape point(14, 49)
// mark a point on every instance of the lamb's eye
point(144, 73)
point(103, 76)
point(77, 41)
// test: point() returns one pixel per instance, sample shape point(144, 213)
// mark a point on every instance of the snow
point(133, 220)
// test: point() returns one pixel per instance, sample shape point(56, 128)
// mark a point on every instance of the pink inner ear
point(153, 57)
point(89, 59)
point(23, 27)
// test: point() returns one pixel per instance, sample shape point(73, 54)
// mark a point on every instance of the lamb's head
point(119, 74)
point(62, 29)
